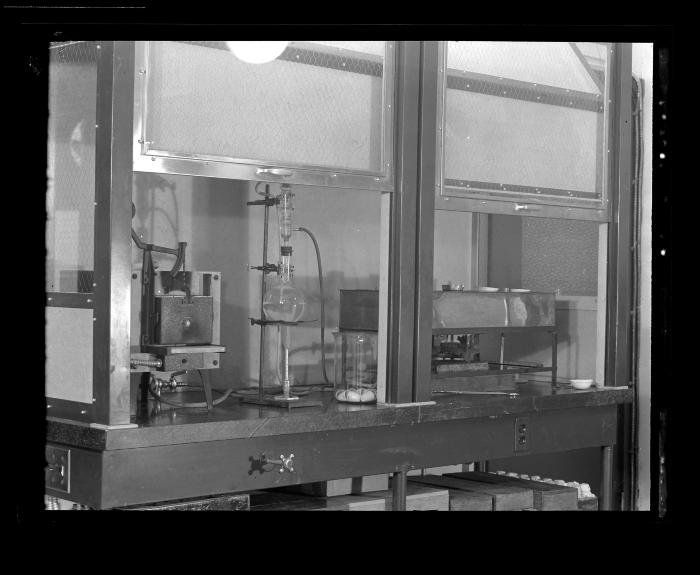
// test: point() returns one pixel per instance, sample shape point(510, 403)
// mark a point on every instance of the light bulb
point(257, 52)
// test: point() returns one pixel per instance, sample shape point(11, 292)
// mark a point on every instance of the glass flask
point(355, 367)
point(283, 301)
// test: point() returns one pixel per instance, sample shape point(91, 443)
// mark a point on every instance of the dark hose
point(323, 307)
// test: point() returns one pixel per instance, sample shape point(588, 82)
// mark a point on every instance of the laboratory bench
point(238, 447)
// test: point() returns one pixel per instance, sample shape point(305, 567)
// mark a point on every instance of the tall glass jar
point(355, 367)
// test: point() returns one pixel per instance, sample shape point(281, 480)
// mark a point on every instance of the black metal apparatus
point(179, 324)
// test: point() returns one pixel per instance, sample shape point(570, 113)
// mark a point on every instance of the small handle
point(279, 172)
point(283, 462)
point(525, 207)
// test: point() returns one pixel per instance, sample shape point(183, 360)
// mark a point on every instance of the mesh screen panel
point(315, 105)
point(71, 167)
point(560, 255)
point(525, 118)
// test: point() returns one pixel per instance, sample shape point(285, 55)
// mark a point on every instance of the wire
point(194, 404)
point(259, 192)
point(323, 307)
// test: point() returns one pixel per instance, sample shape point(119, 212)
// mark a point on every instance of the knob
point(287, 463)
point(283, 462)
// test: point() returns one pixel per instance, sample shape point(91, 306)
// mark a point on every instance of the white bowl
point(581, 383)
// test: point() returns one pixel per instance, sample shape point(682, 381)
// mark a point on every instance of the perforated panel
point(71, 167)
point(560, 255)
point(525, 119)
point(316, 105)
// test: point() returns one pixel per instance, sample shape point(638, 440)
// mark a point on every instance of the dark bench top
point(234, 420)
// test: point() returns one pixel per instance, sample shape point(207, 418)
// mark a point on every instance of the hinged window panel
point(525, 121)
point(319, 113)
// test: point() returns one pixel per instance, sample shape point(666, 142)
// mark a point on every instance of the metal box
point(184, 322)
point(474, 309)
point(359, 310)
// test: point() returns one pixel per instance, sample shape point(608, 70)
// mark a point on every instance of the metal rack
point(266, 268)
point(505, 367)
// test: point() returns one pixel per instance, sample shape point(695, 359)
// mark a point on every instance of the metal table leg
point(606, 485)
point(554, 358)
point(206, 383)
point(482, 466)
point(399, 484)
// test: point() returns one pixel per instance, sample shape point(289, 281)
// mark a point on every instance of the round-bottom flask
point(284, 302)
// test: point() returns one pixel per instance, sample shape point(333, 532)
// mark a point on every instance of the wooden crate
point(275, 500)
point(280, 501)
point(367, 502)
point(231, 502)
point(546, 496)
point(504, 497)
point(419, 498)
point(336, 487)
point(460, 500)
point(588, 504)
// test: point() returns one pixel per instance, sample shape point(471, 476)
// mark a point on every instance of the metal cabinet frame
point(411, 208)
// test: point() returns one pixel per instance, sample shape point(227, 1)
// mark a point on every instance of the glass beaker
point(355, 367)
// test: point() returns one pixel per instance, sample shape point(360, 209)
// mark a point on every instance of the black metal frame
point(402, 273)
point(111, 299)
point(620, 268)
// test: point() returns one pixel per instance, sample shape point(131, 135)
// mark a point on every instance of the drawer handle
point(283, 462)
point(279, 172)
point(525, 207)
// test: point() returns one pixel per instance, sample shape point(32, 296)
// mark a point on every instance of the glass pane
point(550, 255)
point(69, 354)
point(71, 167)
point(544, 255)
point(525, 118)
point(318, 104)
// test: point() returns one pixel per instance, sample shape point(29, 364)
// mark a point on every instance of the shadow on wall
point(220, 242)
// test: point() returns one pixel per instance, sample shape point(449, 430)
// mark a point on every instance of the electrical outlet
point(58, 468)
point(522, 434)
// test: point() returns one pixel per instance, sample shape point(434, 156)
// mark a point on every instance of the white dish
point(520, 290)
point(486, 288)
point(581, 383)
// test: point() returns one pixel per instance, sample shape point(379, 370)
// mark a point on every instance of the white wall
point(643, 67)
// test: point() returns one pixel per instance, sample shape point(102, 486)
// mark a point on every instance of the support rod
point(606, 483)
point(399, 485)
point(263, 283)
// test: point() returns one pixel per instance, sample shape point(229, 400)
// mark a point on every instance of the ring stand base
point(281, 401)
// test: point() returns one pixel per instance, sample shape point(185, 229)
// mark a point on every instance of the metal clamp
point(283, 462)
point(525, 207)
point(279, 172)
